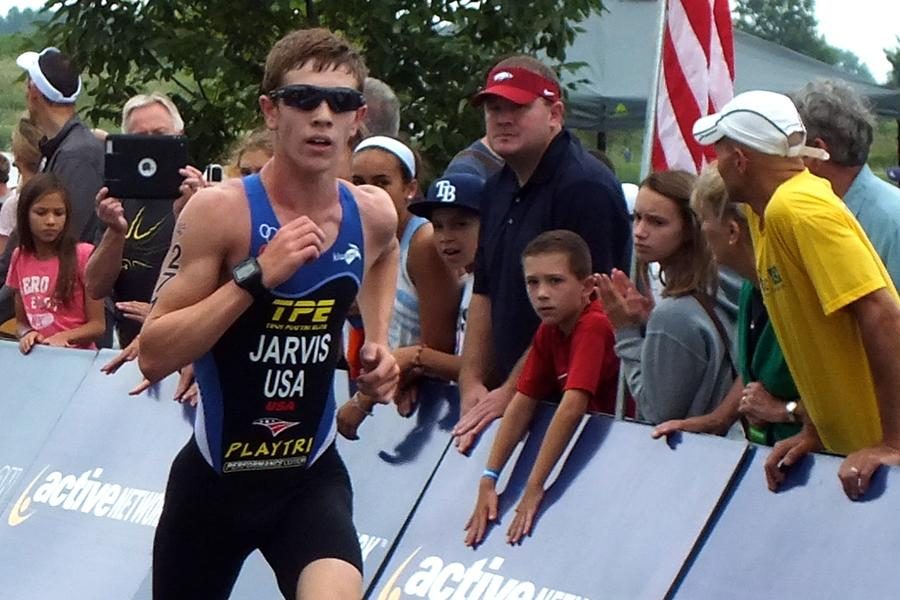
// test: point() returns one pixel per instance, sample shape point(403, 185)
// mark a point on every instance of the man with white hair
point(838, 120)
point(830, 299)
point(136, 233)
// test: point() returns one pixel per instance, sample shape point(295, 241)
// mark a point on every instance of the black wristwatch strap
point(247, 274)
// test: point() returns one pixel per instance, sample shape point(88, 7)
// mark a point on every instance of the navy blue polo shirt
point(570, 189)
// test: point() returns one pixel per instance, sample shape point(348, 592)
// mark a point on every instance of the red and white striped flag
point(696, 79)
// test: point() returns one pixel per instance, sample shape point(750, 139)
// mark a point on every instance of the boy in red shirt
point(572, 352)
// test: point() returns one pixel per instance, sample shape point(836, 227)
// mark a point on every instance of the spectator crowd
point(755, 299)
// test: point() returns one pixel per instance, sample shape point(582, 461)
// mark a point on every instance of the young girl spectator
point(427, 300)
point(47, 272)
point(677, 355)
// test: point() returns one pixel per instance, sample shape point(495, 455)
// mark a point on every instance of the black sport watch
point(247, 274)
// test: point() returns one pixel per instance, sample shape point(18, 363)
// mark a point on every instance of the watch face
point(244, 270)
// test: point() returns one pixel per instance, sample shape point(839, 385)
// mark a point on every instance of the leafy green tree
point(209, 54)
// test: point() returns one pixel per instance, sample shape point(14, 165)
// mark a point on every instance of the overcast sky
point(865, 27)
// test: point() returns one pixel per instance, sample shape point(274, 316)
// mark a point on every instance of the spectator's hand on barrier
point(298, 242)
point(187, 391)
point(128, 353)
point(136, 311)
point(111, 212)
point(623, 303)
point(761, 407)
point(193, 181)
point(480, 416)
point(379, 374)
point(485, 512)
point(27, 341)
point(691, 425)
point(349, 417)
point(787, 452)
point(857, 469)
point(470, 396)
point(526, 513)
point(191, 396)
point(59, 340)
point(140, 388)
point(406, 399)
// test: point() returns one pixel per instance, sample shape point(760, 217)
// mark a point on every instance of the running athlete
point(254, 292)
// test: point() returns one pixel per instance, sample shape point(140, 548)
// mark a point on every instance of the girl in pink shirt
point(47, 272)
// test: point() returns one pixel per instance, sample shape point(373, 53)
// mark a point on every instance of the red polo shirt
point(585, 360)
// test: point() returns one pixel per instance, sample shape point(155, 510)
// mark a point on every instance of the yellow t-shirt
point(813, 259)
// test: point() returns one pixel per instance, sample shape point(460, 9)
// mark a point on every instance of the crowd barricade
point(79, 521)
point(83, 468)
point(621, 518)
point(807, 541)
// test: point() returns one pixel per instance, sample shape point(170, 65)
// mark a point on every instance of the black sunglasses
point(309, 97)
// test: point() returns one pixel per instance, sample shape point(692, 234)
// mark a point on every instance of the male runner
point(254, 291)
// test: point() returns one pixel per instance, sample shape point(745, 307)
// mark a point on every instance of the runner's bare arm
point(376, 296)
point(191, 307)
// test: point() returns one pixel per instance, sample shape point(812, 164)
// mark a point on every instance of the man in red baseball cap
point(549, 181)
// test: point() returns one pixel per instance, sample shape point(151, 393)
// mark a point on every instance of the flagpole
point(652, 98)
point(646, 155)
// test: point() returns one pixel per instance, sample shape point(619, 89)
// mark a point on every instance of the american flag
point(696, 79)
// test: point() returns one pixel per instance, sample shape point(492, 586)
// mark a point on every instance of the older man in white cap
point(829, 296)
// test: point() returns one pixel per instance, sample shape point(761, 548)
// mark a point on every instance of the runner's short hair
point(322, 48)
point(562, 241)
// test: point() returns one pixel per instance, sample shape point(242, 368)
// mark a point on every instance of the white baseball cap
point(52, 74)
point(767, 122)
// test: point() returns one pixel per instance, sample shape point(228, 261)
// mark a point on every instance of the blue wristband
point(491, 473)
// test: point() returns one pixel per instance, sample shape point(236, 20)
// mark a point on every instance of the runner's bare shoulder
point(219, 215)
point(378, 214)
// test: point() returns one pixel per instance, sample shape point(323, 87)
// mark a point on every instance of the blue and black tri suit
point(262, 471)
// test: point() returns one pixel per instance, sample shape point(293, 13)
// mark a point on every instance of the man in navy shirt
point(549, 182)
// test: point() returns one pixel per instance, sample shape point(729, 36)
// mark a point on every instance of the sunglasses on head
point(309, 97)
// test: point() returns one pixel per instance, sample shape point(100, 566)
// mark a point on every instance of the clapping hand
point(624, 304)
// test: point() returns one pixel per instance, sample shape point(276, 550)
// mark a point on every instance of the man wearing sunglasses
point(254, 292)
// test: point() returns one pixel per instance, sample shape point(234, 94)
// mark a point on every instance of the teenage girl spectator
point(427, 299)
point(252, 152)
point(27, 159)
point(676, 355)
point(47, 272)
point(764, 392)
